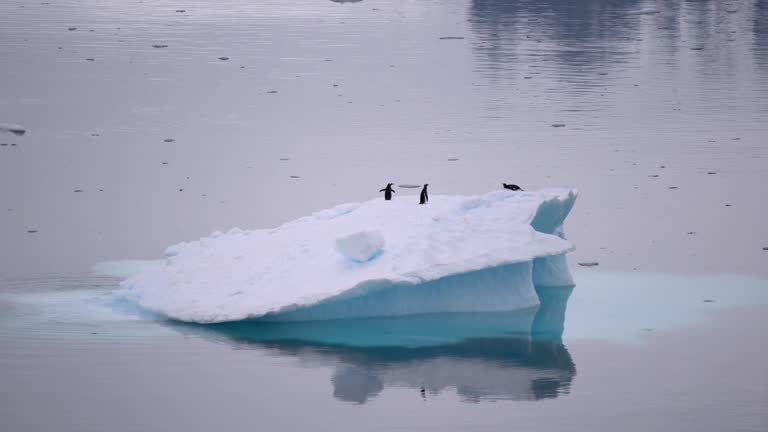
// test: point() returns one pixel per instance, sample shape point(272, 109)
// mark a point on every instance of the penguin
point(387, 192)
point(423, 197)
point(512, 187)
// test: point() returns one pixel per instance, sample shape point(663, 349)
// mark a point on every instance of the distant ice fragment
point(361, 246)
point(644, 12)
point(12, 128)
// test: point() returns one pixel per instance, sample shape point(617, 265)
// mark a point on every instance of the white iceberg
point(377, 258)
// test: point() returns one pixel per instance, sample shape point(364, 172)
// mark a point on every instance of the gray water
point(657, 111)
point(620, 350)
point(368, 93)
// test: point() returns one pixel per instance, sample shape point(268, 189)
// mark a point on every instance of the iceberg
point(373, 259)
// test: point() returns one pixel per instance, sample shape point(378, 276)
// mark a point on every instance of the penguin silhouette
point(512, 187)
point(424, 197)
point(388, 192)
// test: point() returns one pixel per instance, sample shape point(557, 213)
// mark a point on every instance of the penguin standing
point(424, 197)
point(388, 192)
point(513, 187)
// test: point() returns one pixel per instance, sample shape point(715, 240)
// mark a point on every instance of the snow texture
point(377, 258)
point(361, 246)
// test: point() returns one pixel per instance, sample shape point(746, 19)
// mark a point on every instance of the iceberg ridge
point(377, 258)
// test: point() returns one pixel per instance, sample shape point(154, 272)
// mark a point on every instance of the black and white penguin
point(512, 187)
point(388, 192)
point(424, 197)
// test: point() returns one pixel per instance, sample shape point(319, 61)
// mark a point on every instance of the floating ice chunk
point(12, 128)
point(361, 246)
point(457, 254)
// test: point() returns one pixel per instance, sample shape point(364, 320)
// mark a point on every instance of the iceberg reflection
point(484, 356)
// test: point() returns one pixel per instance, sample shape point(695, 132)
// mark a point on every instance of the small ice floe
point(558, 125)
point(159, 46)
point(169, 140)
point(451, 37)
point(223, 58)
point(12, 128)
point(589, 263)
point(645, 12)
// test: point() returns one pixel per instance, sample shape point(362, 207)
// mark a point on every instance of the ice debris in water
point(12, 128)
point(376, 258)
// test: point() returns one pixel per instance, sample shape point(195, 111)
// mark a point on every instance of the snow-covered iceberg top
point(457, 253)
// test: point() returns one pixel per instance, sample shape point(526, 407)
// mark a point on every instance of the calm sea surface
point(153, 122)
